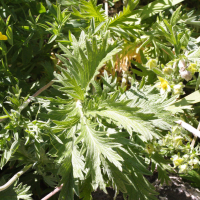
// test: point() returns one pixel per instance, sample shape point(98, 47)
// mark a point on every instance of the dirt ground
point(176, 190)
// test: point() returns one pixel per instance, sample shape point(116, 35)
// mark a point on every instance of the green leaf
point(52, 8)
point(7, 113)
point(118, 178)
point(40, 7)
point(8, 20)
point(140, 188)
point(86, 189)
point(86, 68)
point(156, 7)
point(162, 167)
point(122, 17)
point(52, 38)
point(194, 56)
point(8, 153)
point(185, 103)
point(166, 50)
point(3, 47)
point(90, 10)
point(9, 34)
point(27, 53)
point(128, 118)
point(71, 166)
point(158, 72)
point(67, 180)
point(192, 176)
point(4, 117)
point(175, 16)
point(96, 147)
point(67, 123)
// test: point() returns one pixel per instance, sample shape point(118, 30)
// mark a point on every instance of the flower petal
point(162, 91)
point(3, 37)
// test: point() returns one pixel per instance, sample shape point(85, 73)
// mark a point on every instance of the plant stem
point(14, 178)
point(189, 128)
point(57, 189)
point(43, 88)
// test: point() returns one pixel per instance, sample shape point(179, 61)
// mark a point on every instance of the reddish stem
point(57, 189)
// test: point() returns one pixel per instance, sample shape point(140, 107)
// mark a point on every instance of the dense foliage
point(90, 100)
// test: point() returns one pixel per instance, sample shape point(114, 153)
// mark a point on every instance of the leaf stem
point(43, 88)
point(57, 189)
point(14, 178)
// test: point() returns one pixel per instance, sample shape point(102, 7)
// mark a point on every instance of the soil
point(176, 190)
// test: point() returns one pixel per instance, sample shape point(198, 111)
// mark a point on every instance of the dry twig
point(189, 128)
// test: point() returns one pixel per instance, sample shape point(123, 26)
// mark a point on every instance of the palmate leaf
point(96, 147)
point(71, 165)
point(129, 118)
point(66, 171)
point(80, 72)
point(149, 101)
point(118, 178)
point(92, 142)
point(88, 156)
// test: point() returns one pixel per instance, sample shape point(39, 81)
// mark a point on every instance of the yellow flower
point(163, 85)
point(3, 37)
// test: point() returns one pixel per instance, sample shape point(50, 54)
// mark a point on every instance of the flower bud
point(178, 89)
point(177, 160)
point(186, 157)
point(149, 148)
point(192, 68)
point(183, 168)
point(152, 63)
point(167, 70)
point(178, 141)
point(186, 75)
point(182, 65)
point(194, 161)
